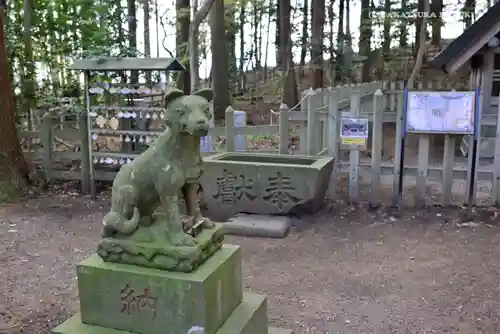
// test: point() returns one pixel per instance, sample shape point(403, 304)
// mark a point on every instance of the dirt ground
point(344, 270)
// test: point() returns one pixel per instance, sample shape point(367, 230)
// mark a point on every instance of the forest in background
point(48, 35)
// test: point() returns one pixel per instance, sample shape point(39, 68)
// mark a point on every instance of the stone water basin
point(263, 183)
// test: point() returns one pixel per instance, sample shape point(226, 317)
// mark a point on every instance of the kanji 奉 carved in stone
point(144, 226)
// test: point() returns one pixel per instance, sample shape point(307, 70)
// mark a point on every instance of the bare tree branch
point(198, 17)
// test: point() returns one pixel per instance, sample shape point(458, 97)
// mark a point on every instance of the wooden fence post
point(86, 163)
point(422, 164)
point(304, 105)
point(312, 129)
point(376, 167)
point(47, 144)
point(283, 129)
point(354, 154)
point(448, 164)
point(230, 133)
point(333, 140)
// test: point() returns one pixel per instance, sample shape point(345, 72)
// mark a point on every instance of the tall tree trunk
point(14, 171)
point(132, 35)
point(266, 51)
point(403, 26)
point(318, 22)
point(29, 70)
point(387, 38)
point(183, 18)
point(365, 39)
point(290, 95)
point(437, 21)
point(147, 37)
point(231, 28)
point(220, 64)
point(303, 42)
point(278, 34)
point(418, 24)
point(339, 55)
point(241, 65)
point(157, 29)
point(469, 7)
point(348, 20)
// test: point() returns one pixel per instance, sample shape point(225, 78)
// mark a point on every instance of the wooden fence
point(369, 178)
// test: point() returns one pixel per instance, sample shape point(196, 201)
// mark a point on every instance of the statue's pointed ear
point(205, 93)
point(171, 94)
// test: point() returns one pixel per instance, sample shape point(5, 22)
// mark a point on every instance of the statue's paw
point(183, 239)
point(207, 223)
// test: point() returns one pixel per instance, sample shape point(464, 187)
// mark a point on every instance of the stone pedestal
point(120, 299)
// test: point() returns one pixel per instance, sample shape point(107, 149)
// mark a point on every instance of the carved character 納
point(133, 303)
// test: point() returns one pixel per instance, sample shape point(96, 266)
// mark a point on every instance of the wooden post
point(333, 140)
point(377, 134)
point(423, 164)
point(448, 164)
point(354, 154)
point(283, 129)
point(230, 135)
point(47, 143)
point(304, 105)
point(311, 122)
point(86, 164)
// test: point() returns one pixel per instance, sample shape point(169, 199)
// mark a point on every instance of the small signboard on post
point(354, 132)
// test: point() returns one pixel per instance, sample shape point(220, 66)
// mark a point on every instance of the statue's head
point(189, 113)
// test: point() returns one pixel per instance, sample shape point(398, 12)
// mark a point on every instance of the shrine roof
point(128, 64)
point(470, 42)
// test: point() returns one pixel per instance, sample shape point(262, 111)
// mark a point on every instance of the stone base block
point(161, 255)
point(248, 318)
point(151, 301)
point(257, 226)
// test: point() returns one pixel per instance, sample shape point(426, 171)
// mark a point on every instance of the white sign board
point(440, 112)
point(240, 145)
point(354, 132)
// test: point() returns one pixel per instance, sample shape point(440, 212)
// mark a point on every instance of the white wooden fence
point(374, 179)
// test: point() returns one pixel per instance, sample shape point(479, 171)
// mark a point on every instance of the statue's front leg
point(190, 191)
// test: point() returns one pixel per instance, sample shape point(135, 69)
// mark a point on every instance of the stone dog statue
point(145, 193)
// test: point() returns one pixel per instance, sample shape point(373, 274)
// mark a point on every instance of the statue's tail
point(116, 222)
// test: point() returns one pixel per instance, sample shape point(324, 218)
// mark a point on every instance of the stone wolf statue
point(145, 193)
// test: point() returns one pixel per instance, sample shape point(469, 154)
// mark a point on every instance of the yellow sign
point(353, 141)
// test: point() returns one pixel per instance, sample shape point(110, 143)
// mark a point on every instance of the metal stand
point(402, 151)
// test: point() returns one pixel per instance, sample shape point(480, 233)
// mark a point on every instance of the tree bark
point(318, 22)
point(365, 39)
point(290, 95)
point(279, 32)
point(183, 18)
point(339, 54)
point(14, 171)
point(220, 66)
point(132, 35)
point(403, 26)
point(28, 71)
point(304, 39)
point(147, 38)
point(437, 21)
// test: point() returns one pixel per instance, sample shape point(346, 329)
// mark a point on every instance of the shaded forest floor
point(344, 270)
